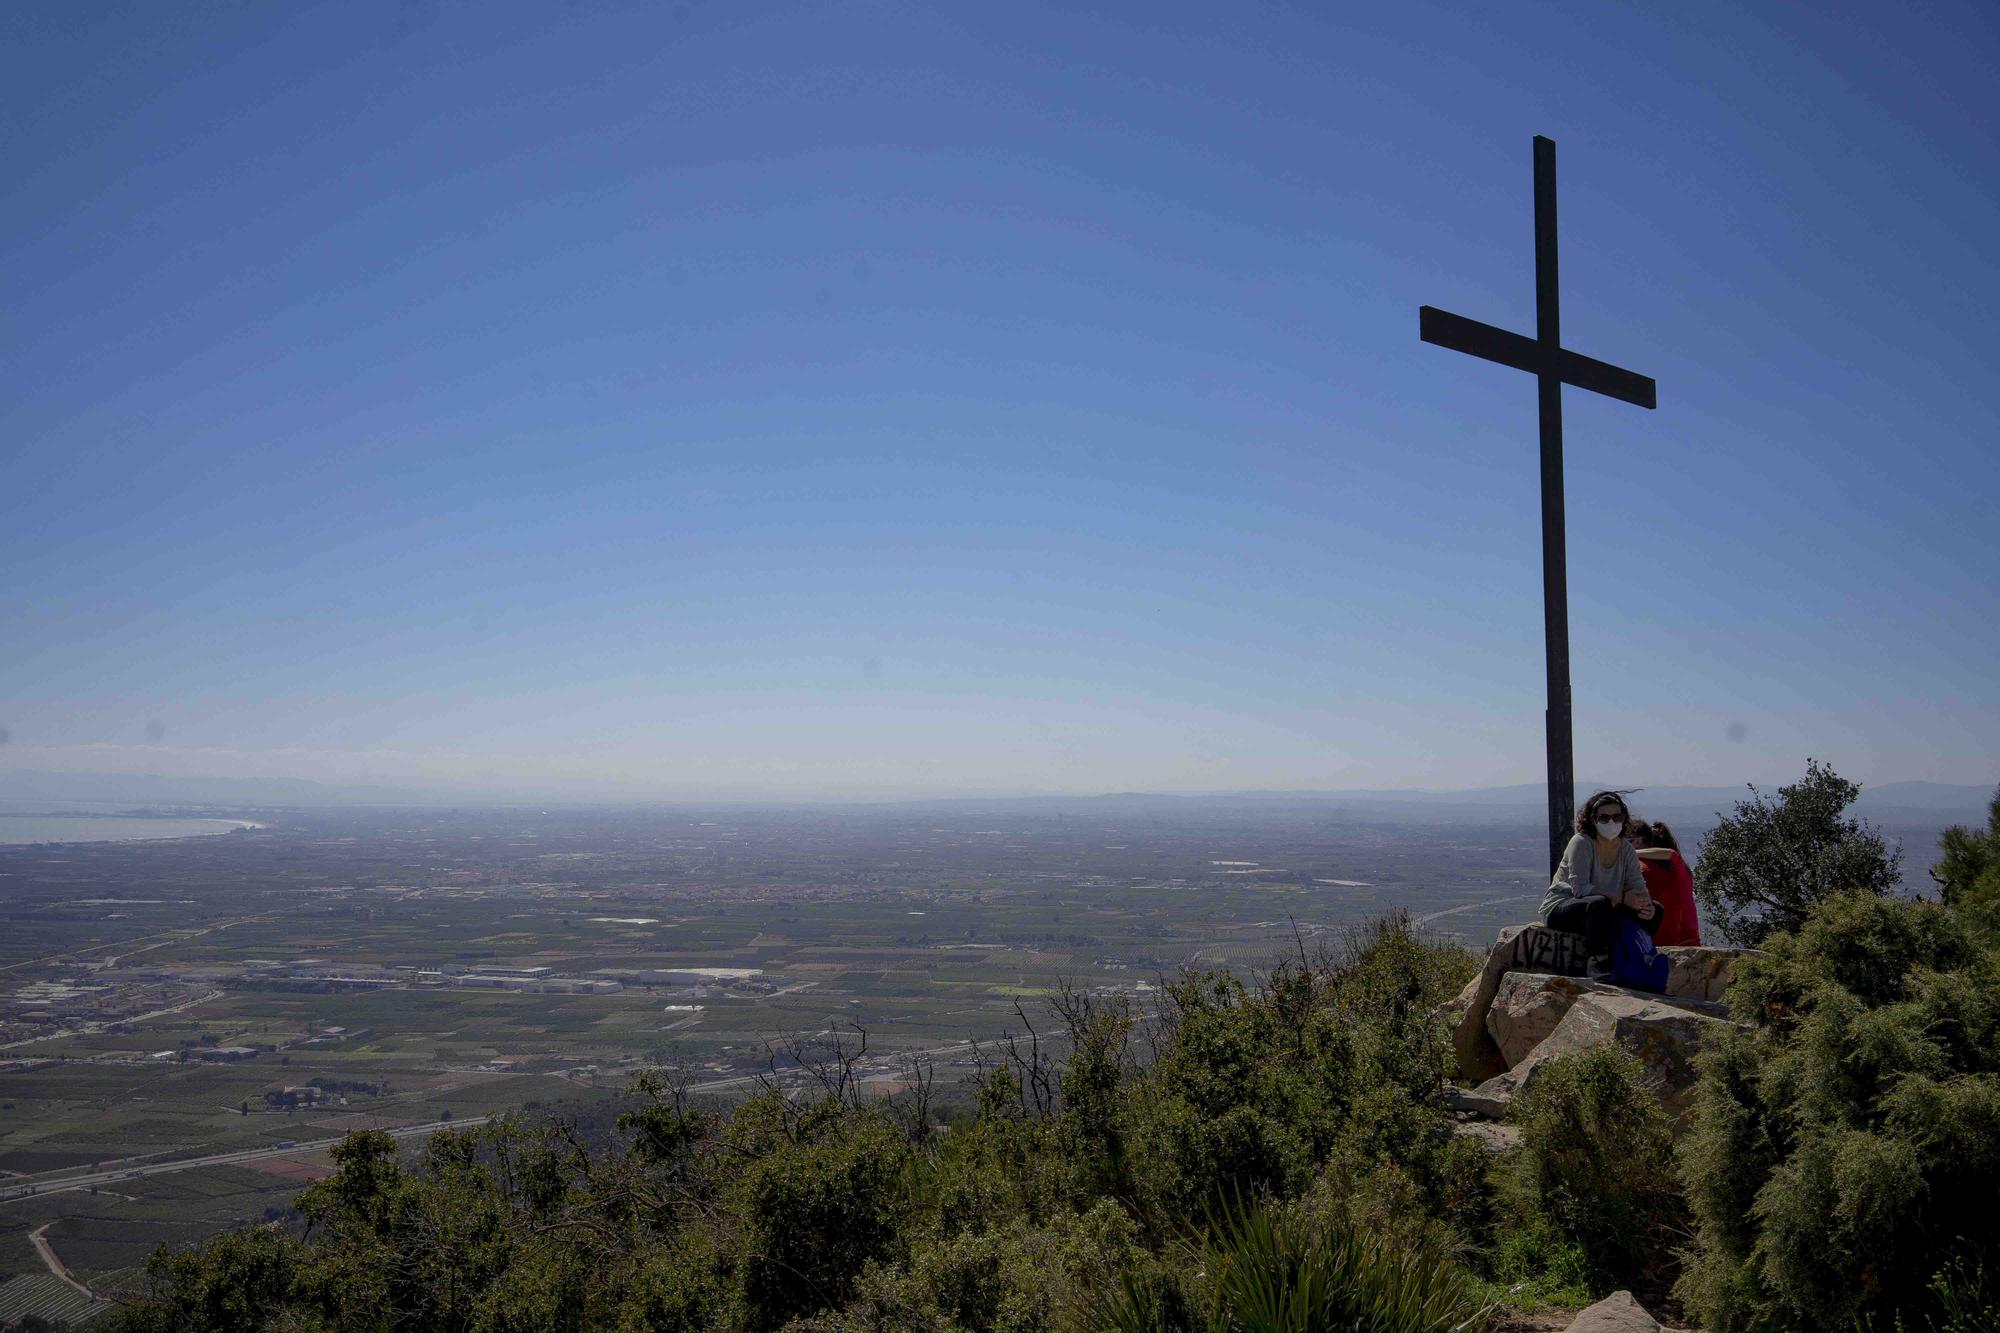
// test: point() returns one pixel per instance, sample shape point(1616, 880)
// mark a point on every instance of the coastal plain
point(185, 1025)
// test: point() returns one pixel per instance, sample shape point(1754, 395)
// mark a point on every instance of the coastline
point(72, 829)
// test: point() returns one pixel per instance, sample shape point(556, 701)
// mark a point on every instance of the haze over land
point(41, 792)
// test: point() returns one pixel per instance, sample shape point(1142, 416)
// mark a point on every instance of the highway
point(21, 1189)
point(25, 1187)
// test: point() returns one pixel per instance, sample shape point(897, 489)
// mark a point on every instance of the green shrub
point(813, 1212)
point(1321, 1082)
point(1012, 1279)
point(1968, 870)
point(1594, 1174)
point(685, 1286)
point(235, 1283)
point(1764, 868)
point(1851, 1142)
point(1254, 1088)
point(1966, 1300)
point(1262, 1270)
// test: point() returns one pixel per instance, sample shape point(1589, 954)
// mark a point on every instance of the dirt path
point(55, 1265)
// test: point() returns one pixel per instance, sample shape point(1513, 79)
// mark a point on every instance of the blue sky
point(876, 398)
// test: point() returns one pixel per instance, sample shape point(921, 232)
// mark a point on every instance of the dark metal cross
point(1553, 366)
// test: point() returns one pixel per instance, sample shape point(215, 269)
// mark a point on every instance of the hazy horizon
point(18, 787)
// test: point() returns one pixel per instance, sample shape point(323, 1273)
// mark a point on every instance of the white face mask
point(1608, 828)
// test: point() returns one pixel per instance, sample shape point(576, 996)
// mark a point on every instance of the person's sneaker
point(1598, 967)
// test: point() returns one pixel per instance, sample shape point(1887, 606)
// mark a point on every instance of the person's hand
point(1649, 911)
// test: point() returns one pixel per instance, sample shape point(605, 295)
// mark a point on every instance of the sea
point(109, 828)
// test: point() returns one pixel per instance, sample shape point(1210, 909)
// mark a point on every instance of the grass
point(1264, 1271)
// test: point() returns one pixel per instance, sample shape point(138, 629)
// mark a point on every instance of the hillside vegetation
point(1268, 1153)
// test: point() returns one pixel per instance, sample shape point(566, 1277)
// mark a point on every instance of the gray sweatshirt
point(1582, 874)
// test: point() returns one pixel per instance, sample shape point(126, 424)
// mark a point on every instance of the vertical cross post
point(1555, 554)
point(1553, 366)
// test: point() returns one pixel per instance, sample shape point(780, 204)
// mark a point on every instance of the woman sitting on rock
point(1599, 878)
point(1668, 880)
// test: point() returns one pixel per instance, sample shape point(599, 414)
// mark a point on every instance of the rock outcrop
point(1526, 1008)
point(1664, 1035)
point(1699, 971)
point(1529, 948)
point(1530, 1004)
point(1617, 1313)
point(1496, 1137)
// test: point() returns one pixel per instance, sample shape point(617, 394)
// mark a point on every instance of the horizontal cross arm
point(1612, 381)
point(1512, 349)
point(1475, 339)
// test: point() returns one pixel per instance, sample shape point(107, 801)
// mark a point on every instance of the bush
point(1318, 1085)
point(814, 1213)
point(1015, 1278)
point(1963, 1299)
point(682, 1287)
point(1765, 867)
point(1845, 1151)
point(1266, 1271)
point(1593, 1178)
point(1256, 1089)
point(1968, 875)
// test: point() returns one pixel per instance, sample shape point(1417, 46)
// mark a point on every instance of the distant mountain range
point(23, 788)
point(1902, 796)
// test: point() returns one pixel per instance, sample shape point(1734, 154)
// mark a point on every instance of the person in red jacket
point(1668, 880)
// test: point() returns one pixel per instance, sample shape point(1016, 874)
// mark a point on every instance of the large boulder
point(1529, 948)
point(1525, 1010)
point(1700, 971)
point(1697, 976)
point(1617, 1313)
point(1664, 1035)
point(1527, 1006)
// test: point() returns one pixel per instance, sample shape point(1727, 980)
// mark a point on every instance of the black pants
point(1592, 917)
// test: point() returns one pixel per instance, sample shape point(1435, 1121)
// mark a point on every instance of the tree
point(235, 1283)
point(1969, 874)
point(814, 1213)
point(1764, 868)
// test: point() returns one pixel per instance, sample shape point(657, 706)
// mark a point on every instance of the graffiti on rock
point(1539, 949)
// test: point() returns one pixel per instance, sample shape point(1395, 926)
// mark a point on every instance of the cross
point(1553, 366)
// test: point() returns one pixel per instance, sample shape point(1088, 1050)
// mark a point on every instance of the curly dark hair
point(1653, 833)
point(1585, 813)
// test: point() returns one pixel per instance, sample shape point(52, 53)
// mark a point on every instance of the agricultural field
point(255, 995)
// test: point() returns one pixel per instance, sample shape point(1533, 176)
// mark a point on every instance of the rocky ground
point(1532, 1002)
